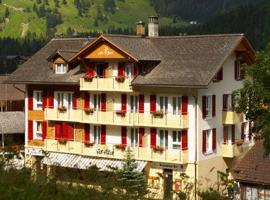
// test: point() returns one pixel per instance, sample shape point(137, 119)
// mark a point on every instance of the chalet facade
point(169, 99)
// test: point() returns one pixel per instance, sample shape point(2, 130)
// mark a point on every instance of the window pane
point(174, 136)
point(166, 139)
point(161, 138)
point(174, 105)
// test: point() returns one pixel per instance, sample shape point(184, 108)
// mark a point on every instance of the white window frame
point(177, 144)
point(129, 70)
point(37, 94)
point(95, 101)
point(163, 108)
point(209, 141)
point(97, 134)
point(228, 135)
point(208, 106)
point(229, 102)
point(37, 134)
point(177, 108)
point(134, 137)
point(165, 142)
point(135, 107)
point(61, 68)
point(66, 99)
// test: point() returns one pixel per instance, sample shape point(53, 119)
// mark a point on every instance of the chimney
point(153, 26)
point(140, 28)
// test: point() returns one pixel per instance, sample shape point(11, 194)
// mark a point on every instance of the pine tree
point(64, 2)
point(133, 182)
point(7, 13)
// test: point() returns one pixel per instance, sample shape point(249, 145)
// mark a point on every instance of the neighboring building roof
point(179, 60)
point(9, 92)
point(12, 122)
point(254, 166)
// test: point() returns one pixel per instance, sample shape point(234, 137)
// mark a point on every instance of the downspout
point(196, 142)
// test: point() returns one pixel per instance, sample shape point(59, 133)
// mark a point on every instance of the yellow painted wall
point(36, 115)
point(79, 132)
point(105, 51)
point(50, 130)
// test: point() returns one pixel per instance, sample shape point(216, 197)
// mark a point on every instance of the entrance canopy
point(84, 162)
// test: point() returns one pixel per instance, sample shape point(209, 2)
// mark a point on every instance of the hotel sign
point(34, 152)
point(105, 150)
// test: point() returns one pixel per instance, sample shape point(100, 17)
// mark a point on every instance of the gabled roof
point(12, 122)
point(182, 61)
point(254, 166)
point(65, 54)
point(9, 92)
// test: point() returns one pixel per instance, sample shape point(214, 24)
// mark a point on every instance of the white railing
point(114, 117)
point(111, 83)
point(118, 151)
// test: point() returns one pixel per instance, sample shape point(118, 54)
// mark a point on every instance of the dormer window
point(61, 68)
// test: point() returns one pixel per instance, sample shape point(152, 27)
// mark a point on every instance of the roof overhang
point(99, 40)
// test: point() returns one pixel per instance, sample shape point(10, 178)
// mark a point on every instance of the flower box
point(158, 149)
point(88, 144)
point(62, 109)
point(121, 146)
point(121, 113)
point(62, 141)
point(88, 78)
point(89, 111)
point(120, 79)
point(157, 114)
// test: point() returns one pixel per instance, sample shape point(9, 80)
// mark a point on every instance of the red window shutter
point(105, 66)
point(225, 98)
point(44, 130)
point(214, 140)
point(141, 133)
point(86, 100)
point(70, 132)
point(124, 102)
point(141, 103)
point(51, 98)
point(124, 135)
point(103, 102)
point(213, 105)
point(224, 135)
point(44, 99)
point(90, 70)
point(153, 136)
point(121, 70)
point(184, 105)
point(249, 131)
point(233, 134)
point(204, 107)
point(243, 131)
point(86, 133)
point(75, 100)
point(103, 134)
point(204, 141)
point(30, 130)
point(153, 103)
point(184, 139)
point(65, 130)
point(30, 99)
point(58, 130)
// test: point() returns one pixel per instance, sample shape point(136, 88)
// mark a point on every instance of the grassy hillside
point(18, 18)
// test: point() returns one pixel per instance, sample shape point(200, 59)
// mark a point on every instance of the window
point(129, 70)
point(96, 102)
point(133, 104)
point(61, 68)
point(229, 134)
point(239, 71)
point(162, 104)
point(37, 130)
point(64, 99)
point(176, 103)
point(219, 76)
point(134, 137)
point(227, 102)
point(100, 70)
point(177, 139)
point(37, 100)
point(208, 108)
point(97, 134)
point(209, 141)
point(163, 138)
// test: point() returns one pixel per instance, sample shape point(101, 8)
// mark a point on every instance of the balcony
point(111, 151)
point(231, 117)
point(168, 120)
point(106, 84)
point(233, 150)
